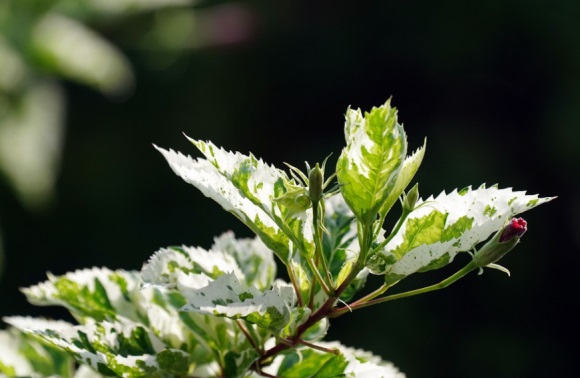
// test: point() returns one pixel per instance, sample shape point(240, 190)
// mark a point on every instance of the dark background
point(494, 87)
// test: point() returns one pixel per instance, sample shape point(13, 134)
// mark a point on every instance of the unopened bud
point(315, 183)
point(515, 228)
point(410, 199)
point(501, 243)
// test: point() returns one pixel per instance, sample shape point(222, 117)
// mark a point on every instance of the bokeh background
point(87, 86)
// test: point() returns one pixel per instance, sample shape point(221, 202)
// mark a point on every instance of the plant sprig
point(221, 312)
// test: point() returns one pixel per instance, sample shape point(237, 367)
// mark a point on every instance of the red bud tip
point(515, 228)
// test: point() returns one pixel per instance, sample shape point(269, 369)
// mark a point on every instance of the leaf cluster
point(221, 312)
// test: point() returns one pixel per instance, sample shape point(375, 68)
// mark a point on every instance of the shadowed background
point(494, 87)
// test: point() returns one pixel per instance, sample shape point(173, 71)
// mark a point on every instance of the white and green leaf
point(312, 363)
point(213, 184)
point(248, 259)
point(226, 346)
point(262, 184)
point(441, 227)
point(120, 348)
point(163, 267)
point(101, 294)
point(369, 165)
point(408, 170)
point(97, 293)
point(189, 270)
point(254, 258)
point(363, 364)
point(24, 356)
point(226, 296)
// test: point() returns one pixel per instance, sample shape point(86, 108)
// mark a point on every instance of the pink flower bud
point(501, 243)
point(515, 228)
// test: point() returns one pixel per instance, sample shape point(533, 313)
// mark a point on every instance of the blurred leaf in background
point(42, 42)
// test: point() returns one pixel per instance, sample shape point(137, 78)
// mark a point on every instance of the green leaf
point(441, 227)
point(121, 348)
point(368, 167)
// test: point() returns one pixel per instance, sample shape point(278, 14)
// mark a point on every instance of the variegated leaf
point(85, 371)
point(262, 183)
point(220, 344)
point(229, 348)
point(255, 260)
point(213, 184)
point(226, 296)
point(24, 356)
point(91, 293)
point(368, 167)
point(194, 269)
point(408, 170)
point(121, 348)
point(163, 267)
point(441, 227)
point(312, 363)
point(101, 294)
point(248, 259)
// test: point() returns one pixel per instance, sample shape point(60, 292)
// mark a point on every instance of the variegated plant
point(221, 312)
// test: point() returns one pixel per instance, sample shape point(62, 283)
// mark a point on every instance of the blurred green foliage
point(43, 42)
point(494, 87)
point(40, 42)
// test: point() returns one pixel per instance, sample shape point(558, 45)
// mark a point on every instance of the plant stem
point(295, 284)
point(326, 310)
point(248, 336)
point(317, 215)
point(318, 276)
point(283, 345)
point(399, 224)
point(364, 244)
point(441, 285)
point(381, 290)
point(318, 347)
